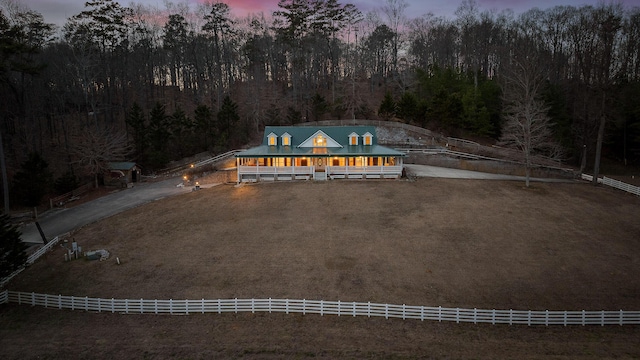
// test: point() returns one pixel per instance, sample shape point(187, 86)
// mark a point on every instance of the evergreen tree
point(203, 117)
point(136, 120)
point(227, 118)
point(12, 249)
point(32, 182)
point(159, 136)
point(388, 107)
point(319, 106)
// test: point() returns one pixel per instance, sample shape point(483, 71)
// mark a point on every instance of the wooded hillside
point(151, 84)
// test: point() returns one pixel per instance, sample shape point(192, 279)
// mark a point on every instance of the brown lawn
point(455, 243)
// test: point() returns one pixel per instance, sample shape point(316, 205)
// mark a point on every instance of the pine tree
point(12, 250)
point(388, 107)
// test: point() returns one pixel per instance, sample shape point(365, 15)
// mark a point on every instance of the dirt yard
point(455, 243)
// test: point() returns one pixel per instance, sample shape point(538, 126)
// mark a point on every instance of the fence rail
point(321, 307)
point(76, 192)
point(31, 259)
point(216, 158)
point(614, 183)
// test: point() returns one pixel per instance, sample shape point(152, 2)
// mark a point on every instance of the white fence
point(321, 307)
point(614, 183)
point(31, 259)
point(216, 158)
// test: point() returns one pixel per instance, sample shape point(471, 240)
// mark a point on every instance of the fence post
point(202, 305)
point(565, 318)
point(186, 306)
point(602, 317)
point(86, 303)
point(155, 306)
point(171, 306)
point(126, 306)
point(269, 305)
point(510, 316)
point(235, 305)
point(338, 307)
point(59, 301)
point(99, 305)
point(546, 318)
point(404, 310)
point(368, 308)
point(112, 306)
point(253, 309)
point(457, 315)
point(621, 315)
point(439, 313)
point(421, 313)
point(354, 309)
point(321, 307)
point(141, 306)
point(493, 317)
point(286, 305)
point(583, 318)
point(475, 315)
point(529, 318)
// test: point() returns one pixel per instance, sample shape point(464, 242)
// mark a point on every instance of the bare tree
point(527, 123)
point(95, 147)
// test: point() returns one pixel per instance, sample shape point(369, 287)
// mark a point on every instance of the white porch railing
point(279, 170)
point(347, 171)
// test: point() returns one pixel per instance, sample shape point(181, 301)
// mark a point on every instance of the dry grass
point(431, 242)
point(455, 243)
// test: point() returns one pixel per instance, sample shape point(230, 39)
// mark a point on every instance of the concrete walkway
point(60, 221)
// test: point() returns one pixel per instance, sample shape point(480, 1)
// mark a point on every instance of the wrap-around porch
point(319, 168)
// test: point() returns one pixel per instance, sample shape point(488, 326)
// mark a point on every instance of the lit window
point(368, 138)
point(319, 141)
point(286, 139)
point(272, 139)
point(353, 140)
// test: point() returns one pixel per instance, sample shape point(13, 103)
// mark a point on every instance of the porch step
point(319, 175)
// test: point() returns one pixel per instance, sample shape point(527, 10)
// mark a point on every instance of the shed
point(124, 173)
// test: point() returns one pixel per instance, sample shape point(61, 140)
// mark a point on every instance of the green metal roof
point(300, 134)
point(121, 165)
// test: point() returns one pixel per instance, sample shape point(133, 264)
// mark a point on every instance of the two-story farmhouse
point(320, 153)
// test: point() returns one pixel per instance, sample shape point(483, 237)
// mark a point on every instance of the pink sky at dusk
point(57, 11)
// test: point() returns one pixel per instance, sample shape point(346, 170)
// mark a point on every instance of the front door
point(320, 164)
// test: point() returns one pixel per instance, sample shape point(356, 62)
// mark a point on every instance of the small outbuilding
point(123, 173)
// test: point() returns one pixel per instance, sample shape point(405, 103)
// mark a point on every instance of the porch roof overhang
point(290, 151)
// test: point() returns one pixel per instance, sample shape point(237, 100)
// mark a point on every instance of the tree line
point(151, 85)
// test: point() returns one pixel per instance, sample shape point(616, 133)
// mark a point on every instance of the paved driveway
point(59, 221)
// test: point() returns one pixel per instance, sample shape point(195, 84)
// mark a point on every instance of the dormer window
point(319, 141)
point(286, 139)
point(272, 139)
point(353, 139)
point(368, 138)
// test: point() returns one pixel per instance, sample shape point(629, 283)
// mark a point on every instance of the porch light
point(192, 165)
